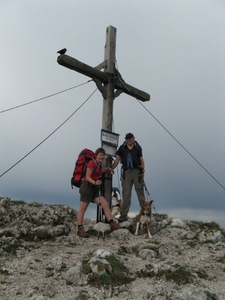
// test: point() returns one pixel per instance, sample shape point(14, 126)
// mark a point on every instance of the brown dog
point(144, 217)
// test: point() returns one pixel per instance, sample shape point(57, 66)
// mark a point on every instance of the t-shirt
point(135, 153)
point(97, 170)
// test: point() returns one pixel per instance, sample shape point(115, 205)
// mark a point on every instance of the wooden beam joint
point(119, 83)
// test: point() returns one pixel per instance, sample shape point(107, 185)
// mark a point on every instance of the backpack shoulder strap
point(137, 145)
point(96, 165)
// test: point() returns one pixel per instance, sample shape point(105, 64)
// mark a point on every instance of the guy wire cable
point(119, 77)
point(63, 91)
point(49, 134)
point(183, 146)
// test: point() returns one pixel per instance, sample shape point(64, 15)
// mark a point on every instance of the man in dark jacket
point(133, 166)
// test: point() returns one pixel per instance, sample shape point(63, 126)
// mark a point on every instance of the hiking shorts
point(88, 193)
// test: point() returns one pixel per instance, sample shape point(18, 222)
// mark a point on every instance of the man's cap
point(129, 136)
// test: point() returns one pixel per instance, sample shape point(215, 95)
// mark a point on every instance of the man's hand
point(111, 170)
point(141, 172)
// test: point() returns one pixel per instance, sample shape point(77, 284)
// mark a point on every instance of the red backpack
point(80, 167)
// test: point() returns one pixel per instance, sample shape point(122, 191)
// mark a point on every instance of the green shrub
point(118, 276)
point(206, 226)
point(202, 274)
point(210, 296)
point(191, 244)
point(105, 279)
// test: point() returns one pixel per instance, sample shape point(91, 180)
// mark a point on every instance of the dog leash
point(148, 194)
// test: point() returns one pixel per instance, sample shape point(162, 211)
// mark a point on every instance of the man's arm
point(142, 162)
point(116, 161)
point(142, 167)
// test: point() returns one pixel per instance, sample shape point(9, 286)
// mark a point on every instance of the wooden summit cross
point(110, 83)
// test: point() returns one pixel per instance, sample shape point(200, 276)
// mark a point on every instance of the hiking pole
point(100, 213)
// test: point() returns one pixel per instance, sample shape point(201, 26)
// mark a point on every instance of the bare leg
point(81, 212)
point(105, 206)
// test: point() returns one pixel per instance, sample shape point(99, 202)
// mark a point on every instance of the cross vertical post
point(107, 117)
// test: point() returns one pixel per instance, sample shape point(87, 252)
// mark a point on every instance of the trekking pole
point(100, 213)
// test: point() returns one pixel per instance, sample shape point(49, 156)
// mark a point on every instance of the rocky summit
point(41, 257)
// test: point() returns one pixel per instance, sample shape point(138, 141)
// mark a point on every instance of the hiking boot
point(122, 218)
point(114, 226)
point(81, 232)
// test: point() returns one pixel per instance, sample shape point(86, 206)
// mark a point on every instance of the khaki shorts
point(88, 193)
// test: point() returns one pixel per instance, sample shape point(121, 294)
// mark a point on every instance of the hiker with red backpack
point(90, 192)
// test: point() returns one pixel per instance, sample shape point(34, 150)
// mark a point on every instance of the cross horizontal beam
point(75, 65)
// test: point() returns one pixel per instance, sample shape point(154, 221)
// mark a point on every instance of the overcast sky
point(173, 50)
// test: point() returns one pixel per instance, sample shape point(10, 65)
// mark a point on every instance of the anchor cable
point(49, 135)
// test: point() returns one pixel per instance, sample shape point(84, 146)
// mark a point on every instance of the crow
point(63, 51)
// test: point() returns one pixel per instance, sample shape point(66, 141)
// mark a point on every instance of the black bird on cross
point(63, 51)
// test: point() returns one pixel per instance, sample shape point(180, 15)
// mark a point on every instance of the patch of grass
point(4, 272)
point(135, 249)
point(35, 204)
point(105, 279)
point(210, 296)
point(206, 226)
point(192, 243)
point(94, 232)
point(18, 202)
point(23, 273)
point(11, 247)
point(211, 226)
point(93, 280)
point(120, 273)
point(221, 259)
point(160, 217)
point(195, 225)
point(202, 274)
point(85, 267)
point(181, 275)
point(100, 266)
point(84, 295)
point(115, 263)
point(49, 269)
point(118, 276)
point(122, 250)
point(208, 242)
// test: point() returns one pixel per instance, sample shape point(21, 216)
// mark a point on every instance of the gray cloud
point(172, 50)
